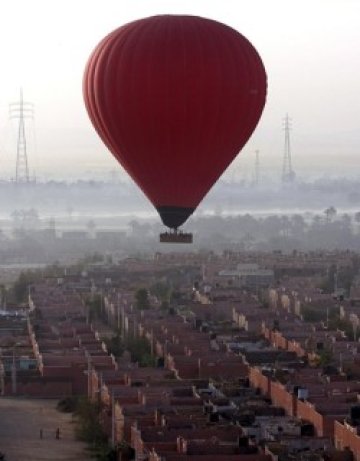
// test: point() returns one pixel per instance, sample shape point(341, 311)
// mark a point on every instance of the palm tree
point(298, 225)
point(285, 226)
point(316, 221)
point(91, 226)
point(15, 215)
point(330, 213)
point(357, 220)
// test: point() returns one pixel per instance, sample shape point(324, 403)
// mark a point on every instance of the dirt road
point(22, 420)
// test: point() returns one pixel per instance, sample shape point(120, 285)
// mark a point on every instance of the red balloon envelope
point(175, 98)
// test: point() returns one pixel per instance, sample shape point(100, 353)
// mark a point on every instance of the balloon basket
point(176, 237)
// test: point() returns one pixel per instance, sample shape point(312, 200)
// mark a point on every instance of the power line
point(288, 174)
point(20, 111)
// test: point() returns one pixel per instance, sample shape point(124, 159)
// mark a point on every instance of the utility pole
point(288, 174)
point(112, 419)
point(21, 110)
point(13, 374)
point(152, 343)
point(336, 280)
point(89, 376)
point(2, 374)
point(123, 322)
point(203, 272)
point(341, 362)
point(118, 313)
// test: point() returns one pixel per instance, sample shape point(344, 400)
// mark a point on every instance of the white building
point(249, 275)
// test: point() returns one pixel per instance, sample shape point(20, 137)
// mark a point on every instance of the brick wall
point(324, 425)
point(41, 389)
point(294, 346)
point(281, 397)
point(346, 436)
point(260, 381)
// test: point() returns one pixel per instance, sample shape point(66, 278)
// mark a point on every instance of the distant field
point(20, 424)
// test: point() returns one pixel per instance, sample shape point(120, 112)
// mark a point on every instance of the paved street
point(20, 424)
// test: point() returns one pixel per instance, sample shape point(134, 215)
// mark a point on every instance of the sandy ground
point(20, 424)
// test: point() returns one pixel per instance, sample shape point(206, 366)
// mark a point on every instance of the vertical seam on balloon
point(122, 149)
point(205, 25)
point(186, 26)
point(90, 90)
point(154, 30)
point(94, 76)
point(216, 38)
point(184, 102)
point(167, 145)
point(151, 32)
point(132, 35)
point(145, 31)
point(97, 75)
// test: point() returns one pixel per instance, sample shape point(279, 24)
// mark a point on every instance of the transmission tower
point(288, 174)
point(257, 167)
point(21, 110)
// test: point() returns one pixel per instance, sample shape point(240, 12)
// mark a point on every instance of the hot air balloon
point(175, 98)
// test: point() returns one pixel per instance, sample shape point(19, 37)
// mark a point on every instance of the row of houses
point(235, 376)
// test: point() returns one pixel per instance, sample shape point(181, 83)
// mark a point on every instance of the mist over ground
point(63, 221)
point(105, 201)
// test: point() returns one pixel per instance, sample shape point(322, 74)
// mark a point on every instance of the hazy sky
point(310, 49)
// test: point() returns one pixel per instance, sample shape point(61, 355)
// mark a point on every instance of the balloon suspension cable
point(176, 236)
